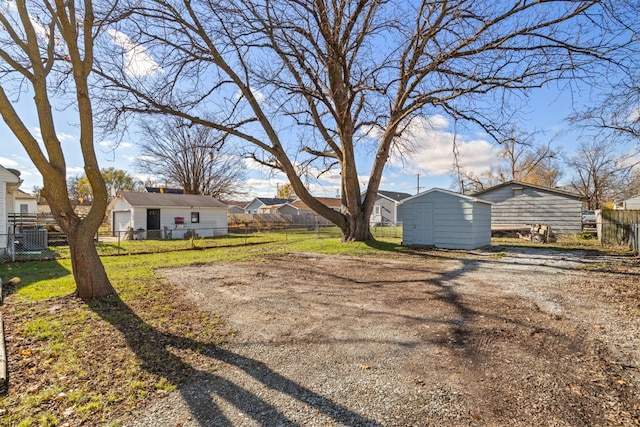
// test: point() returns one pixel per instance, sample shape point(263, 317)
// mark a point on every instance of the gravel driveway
point(516, 337)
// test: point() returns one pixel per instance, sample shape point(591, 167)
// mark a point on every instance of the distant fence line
point(39, 244)
point(620, 227)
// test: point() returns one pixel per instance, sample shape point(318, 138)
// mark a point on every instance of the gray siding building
point(445, 219)
point(385, 208)
point(632, 203)
point(519, 203)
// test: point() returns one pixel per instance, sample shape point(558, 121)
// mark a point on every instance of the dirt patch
point(520, 337)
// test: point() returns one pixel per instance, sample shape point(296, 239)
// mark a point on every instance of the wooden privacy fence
point(620, 227)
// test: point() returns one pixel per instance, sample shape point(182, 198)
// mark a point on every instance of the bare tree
point(522, 159)
point(601, 175)
point(193, 157)
point(46, 47)
point(309, 83)
point(614, 107)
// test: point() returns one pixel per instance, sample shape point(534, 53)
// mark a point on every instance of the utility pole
point(418, 184)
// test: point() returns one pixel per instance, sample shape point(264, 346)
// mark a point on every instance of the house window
point(376, 210)
point(517, 191)
point(24, 208)
point(195, 217)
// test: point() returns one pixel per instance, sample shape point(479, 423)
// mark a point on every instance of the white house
point(167, 216)
point(24, 203)
point(445, 219)
point(9, 183)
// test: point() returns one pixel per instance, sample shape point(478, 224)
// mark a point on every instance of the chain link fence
point(43, 245)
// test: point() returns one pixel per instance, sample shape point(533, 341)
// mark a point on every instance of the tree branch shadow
point(153, 348)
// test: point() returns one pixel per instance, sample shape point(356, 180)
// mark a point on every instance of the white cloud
point(62, 137)
point(65, 137)
point(112, 145)
point(432, 149)
point(138, 63)
point(75, 171)
point(8, 163)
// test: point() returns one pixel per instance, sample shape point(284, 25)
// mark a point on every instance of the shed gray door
point(423, 223)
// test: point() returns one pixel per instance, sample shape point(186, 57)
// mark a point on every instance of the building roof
point(9, 175)
point(159, 200)
point(331, 202)
point(451, 193)
point(394, 195)
point(636, 197)
point(23, 195)
point(526, 184)
point(270, 201)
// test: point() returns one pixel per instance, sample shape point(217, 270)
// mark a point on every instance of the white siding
point(213, 221)
point(3, 215)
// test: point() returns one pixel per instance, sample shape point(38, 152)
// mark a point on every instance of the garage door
point(121, 221)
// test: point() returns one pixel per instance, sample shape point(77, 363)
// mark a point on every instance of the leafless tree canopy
point(521, 159)
point(307, 84)
point(602, 176)
point(193, 157)
point(614, 110)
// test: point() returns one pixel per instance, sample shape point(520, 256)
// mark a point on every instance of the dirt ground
point(498, 337)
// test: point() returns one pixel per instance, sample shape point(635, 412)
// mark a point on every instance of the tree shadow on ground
point(154, 350)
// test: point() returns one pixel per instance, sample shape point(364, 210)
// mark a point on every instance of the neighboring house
point(166, 215)
point(632, 203)
point(518, 203)
point(25, 203)
point(234, 207)
point(445, 219)
point(301, 214)
point(265, 205)
point(9, 183)
point(385, 208)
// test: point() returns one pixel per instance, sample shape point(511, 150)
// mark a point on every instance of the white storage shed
point(167, 216)
point(445, 219)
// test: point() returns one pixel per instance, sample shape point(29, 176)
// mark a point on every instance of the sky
point(429, 165)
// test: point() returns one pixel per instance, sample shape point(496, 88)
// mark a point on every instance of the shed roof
point(526, 184)
point(159, 200)
point(451, 193)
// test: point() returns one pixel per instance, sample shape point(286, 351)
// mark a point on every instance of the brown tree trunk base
point(89, 273)
point(357, 230)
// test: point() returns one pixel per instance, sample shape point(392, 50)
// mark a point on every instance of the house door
point(423, 224)
point(153, 219)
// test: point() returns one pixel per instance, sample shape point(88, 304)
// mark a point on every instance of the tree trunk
point(357, 229)
point(88, 271)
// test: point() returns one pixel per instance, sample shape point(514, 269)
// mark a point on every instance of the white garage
point(167, 215)
point(444, 219)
